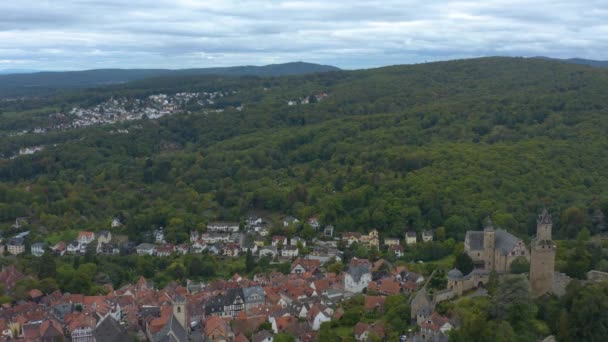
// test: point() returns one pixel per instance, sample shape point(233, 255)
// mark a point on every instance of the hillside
point(395, 148)
point(41, 83)
point(580, 61)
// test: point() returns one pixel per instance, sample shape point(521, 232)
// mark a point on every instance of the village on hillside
point(265, 305)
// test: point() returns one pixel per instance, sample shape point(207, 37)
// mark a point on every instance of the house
point(109, 330)
point(104, 236)
point(16, 245)
point(85, 238)
point(159, 235)
point(46, 331)
point(172, 331)
point(249, 246)
point(80, 326)
point(115, 223)
point(363, 331)
point(253, 296)
point(182, 249)
point(397, 250)
point(351, 237)
point(231, 250)
point(215, 237)
point(372, 303)
point(357, 277)
point(279, 241)
point(108, 249)
point(289, 220)
point(268, 251)
point(313, 222)
point(198, 246)
point(494, 249)
point(300, 266)
point(254, 221)
point(328, 231)
point(372, 239)
point(59, 248)
point(223, 227)
point(435, 328)
point(427, 236)
point(295, 240)
point(74, 247)
point(317, 315)
point(164, 250)
point(194, 236)
point(38, 249)
point(217, 329)
point(259, 241)
point(145, 249)
point(411, 238)
point(289, 251)
point(262, 336)
point(391, 242)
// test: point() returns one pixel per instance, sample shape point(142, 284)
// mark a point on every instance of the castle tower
point(542, 260)
point(489, 240)
point(179, 310)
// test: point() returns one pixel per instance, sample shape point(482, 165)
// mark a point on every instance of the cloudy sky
point(88, 34)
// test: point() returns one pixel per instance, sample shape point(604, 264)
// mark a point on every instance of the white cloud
point(80, 34)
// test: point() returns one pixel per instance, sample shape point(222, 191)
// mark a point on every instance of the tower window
point(179, 309)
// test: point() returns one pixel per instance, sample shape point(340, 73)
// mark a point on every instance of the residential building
point(85, 238)
point(104, 236)
point(289, 220)
point(223, 227)
point(427, 236)
point(357, 277)
point(145, 249)
point(328, 231)
point(295, 240)
point(38, 249)
point(411, 238)
point(279, 241)
point(289, 251)
point(15, 246)
point(391, 242)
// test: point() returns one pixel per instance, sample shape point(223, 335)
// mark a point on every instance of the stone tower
point(489, 240)
point(542, 260)
point(179, 310)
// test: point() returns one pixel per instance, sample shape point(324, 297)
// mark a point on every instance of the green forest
point(396, 148)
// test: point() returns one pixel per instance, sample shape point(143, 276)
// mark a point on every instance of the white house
point(194, 236)
point(314, 222)
point(294, 241)
point(276, 240)
point(289, 220)
point(225, 227)
point(289, 251)
point(357, 278)
point(269, 251)
point(318, 319)
point(145, 249)
point(85, 237)
point(38, 249)
point(427, 236)
point(198, 246)
point(74, 247)
point(159, 235)
point(410, 238)
point(115, 223)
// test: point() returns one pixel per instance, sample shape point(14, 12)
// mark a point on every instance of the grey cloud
point(79, 34)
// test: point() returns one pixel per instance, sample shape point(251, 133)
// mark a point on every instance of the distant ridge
point(40, 83)
point(580, 61)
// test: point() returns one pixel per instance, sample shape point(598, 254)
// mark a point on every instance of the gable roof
point(505, 241)
point(108, 330)
point(172, 328)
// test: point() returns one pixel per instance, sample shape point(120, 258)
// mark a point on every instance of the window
point(179, 309)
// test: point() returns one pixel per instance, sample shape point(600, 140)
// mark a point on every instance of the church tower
point(179, 310)
point(542, 261)
point(489, 241)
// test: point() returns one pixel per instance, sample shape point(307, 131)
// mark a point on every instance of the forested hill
point(581, 61)
point(48, 82)
point(395, 148)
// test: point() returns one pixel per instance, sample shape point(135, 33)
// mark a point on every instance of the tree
point(326, 333)
point(249, 261)
point(464, 263)
point(572, 220)
point(283, 337)
point(520, 265)
point(588, 317)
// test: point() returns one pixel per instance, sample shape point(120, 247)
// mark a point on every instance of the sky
point(351, 34)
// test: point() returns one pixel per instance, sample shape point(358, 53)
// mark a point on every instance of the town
point(264, 306)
